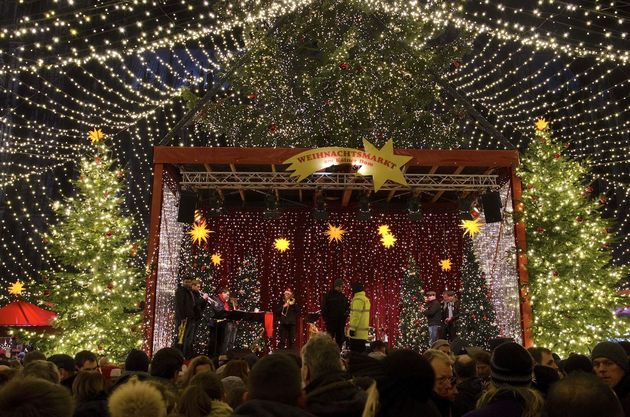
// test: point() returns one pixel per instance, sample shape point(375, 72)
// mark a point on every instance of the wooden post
point(521, 260)
point(152, 256)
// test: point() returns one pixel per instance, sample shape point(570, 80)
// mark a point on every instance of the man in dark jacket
point(185, 316)
point(434, 316)
point(610, 364)
point(450, 314)
point(329, 391)
point(287, 312)
point(221, 329)
point(67, 369)
point(335, 311)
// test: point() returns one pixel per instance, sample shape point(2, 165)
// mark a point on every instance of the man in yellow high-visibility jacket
point(359, 318)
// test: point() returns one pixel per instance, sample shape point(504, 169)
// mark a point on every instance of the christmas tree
point(413, 330)
point(572, 284)
point(305, 73)
point(98, 286)
point(477, 323)
point(247, 293)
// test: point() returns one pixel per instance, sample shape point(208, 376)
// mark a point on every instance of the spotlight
point(464, 205)
point(414, 211)
point(320, 212)
point(271, 212)
point(215, 205)
point(364, 213)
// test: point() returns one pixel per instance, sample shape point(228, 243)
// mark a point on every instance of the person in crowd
point(469, 386)
point(359, 318)
point(335, 310)
point(67, 369)
point(137, 399)
point(509, 394)
point(204, 397)
point(136, 362)
point(406, 386)
point(7, 374)
point(544, 378)
point(287, 312)
point(378, 350)
point(442, 345)
point(329, 391)
point(450, 314)
point(444, 391)
point(88, 390)
point(33, 355)
point(35, 397)
point(582, 395)
point(610, 363)
point(543, 356)
point(433, 312)
point(41, 369)
point(234, 389)
point(482, 363)
point(236, 367)
point(274, 389)
point(165, 366)
point(86, 361)
point(577, 363)
point(197, 365)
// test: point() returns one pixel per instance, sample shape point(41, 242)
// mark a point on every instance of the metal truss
point(334, 181)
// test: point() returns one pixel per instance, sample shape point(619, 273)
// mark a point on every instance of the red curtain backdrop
point(311, 264)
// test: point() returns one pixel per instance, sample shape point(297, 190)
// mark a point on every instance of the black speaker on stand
point(491, 203)
point(187, 206)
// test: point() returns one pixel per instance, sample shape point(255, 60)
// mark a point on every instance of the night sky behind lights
point(68, 66)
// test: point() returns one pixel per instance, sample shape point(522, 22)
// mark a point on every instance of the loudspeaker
point(186, 209)
point(491, 203)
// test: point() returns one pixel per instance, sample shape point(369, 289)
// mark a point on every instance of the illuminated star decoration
point(96, 135)
point(445, 264)
point(471, 227)
point(541, 124)
point(17, 288)
point(281, 244)
point(199, 233)
point(384, 230)
point(382, 173)
point(216, 259)
point(388, 240)
point(334, 233)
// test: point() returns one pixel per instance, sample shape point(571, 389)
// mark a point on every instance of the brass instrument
point(291, 301)
point(181, 331)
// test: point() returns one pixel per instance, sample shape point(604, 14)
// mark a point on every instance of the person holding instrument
point(287, 312)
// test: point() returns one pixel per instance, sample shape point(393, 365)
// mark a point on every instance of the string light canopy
point(67, 66)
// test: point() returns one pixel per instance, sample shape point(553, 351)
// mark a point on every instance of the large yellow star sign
point(200, 233)
point(16, 288)
point(96, 135)
point(541, 124)
point(383, 165)
point(445, 264)
point(334, 233)
point(281, 244)
point(471, 227)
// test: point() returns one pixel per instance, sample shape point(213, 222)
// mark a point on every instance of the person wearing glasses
point(444, 390)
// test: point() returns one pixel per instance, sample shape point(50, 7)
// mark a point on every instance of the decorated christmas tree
point(413, 330)
point(247, 292)
point(98, 286)
point(304, 75)
point(573, 285)
point(477, 323)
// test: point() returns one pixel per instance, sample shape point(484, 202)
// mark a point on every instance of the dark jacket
point(443, 405)
point(434, 313)
point(335, 395)
point(503, 405)
point(96, 407)
point(199, 305)
point(262, 408)
point(468, 392)
point(622, 389)
point(335, 307)
point(184, 304)
point(215, 310)
point(455, 311)
point(286, 315)
point(68, 382)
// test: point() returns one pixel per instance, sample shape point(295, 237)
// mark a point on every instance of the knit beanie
point(137, 361)
point(612, 351)
point(511, 364)
point(576, 363)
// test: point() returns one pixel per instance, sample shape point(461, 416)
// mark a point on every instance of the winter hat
point(576, 362)
point(137, 360)
point(357, 287)
point(511, 364)
point(439, 343)
point(544, 378)
point(612, 351)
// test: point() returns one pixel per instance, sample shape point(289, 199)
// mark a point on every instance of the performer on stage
point(450, 314)
point(335, 311)
point(287, 313)
point(188, 305)
point(359, 318)
point(222, 331)
point(433, 312)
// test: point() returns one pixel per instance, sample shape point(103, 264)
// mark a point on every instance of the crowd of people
point(323, 381)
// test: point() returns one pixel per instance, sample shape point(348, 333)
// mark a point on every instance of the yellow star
point(384, 230)
point(216, 259)
point(445, 264)
point(199, 233)
point(334, 233)
point(388, 240)
point(281, 244)
point(17, 288)
point(388, 169)
point(541, 124)
point(96, 135)
point(471, 227)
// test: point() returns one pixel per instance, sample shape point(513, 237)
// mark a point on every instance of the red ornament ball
point(120, 173)
point(540, 230)
point(579, 219)
point(252, 96)
point(603, 199)
point(344, 66)
point(109, 233)
point(46, 293)
point(98, 159)
point(110, 285)
point(556, 156)
point(273, 128)
point(589, 189)
point(555, 273)
point(456, 63)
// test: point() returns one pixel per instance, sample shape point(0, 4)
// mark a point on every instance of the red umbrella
point(21, 313)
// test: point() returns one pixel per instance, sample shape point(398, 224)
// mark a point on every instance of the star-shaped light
point(16, 288)
point(541, 124)
point(334, 233)
point(445, 264)
point(384, 230)
point(471, 227)
point(381, 172)
point(216, 259)
point(96, 135)
point(200, 233)
point(388, 240)
point(281, 244)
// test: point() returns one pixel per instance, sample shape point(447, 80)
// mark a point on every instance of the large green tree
point(334, 72)
point(573, 285)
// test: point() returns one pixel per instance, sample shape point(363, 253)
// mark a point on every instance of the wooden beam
point(240, 190)
point(437, 195)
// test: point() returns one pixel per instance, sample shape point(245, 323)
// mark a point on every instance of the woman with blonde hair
point(197, 365)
